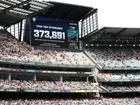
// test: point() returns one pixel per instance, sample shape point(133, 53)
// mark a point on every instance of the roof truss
point(20, 9)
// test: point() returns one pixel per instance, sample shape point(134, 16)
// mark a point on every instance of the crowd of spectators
point(117, 57)
point(103, 101)
point(13, 50)
point(119, 77)
point(46, 85)
point(123, 88)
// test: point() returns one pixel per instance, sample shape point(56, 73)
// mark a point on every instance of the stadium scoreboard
point(48, 32)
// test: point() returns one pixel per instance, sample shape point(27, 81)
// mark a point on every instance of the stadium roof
point(68, 11)
point(13, 11)
point(113, 33)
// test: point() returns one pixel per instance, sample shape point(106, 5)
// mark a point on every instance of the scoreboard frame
point(50, 32)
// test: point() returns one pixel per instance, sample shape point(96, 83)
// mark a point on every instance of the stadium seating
point(103, 101)
point(40, 85)
point(12, 50)
point(34, 75)
point(120, 77)
point(117, 57)
point(123, 88)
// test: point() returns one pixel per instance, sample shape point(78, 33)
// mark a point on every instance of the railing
point(48, 90)
point(96, 63)
point(121, 91)
point(121, 68)
point(119, 80)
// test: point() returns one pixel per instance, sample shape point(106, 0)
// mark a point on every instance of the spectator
point(14, 51)
point(40, 85)
point(117, 57)
point(104, 101)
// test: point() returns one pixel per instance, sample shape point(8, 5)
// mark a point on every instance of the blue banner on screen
point(52, 32)
point(72, 31)
point(73, 34)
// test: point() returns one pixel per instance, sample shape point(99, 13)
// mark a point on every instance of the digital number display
point(51, 32)
point(45, 34)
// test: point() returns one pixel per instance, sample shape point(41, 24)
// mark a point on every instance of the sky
point(113, 13)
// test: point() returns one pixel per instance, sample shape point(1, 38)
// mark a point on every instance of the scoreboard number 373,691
point(45, 34)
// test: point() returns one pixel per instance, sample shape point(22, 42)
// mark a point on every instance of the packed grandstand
point(72, 70)
point(12, 50)
point(104, 101)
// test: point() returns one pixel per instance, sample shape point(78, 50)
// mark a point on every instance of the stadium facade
point(54, 53)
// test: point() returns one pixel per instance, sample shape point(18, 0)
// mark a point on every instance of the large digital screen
point(46, 32)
